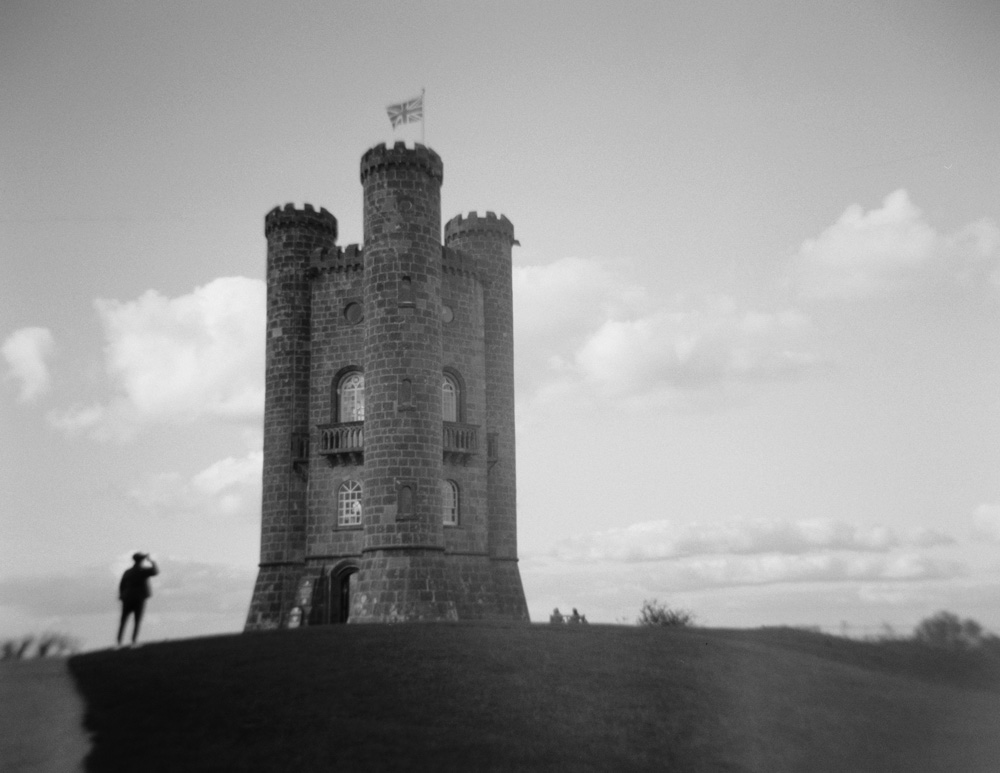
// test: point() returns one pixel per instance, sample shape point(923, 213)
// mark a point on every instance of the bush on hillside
point(946, 631)
point(16, 649)
point(46, 645)
point(655, 613)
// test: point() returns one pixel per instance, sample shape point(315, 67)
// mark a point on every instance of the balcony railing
point(343, 443)
point(460, 441)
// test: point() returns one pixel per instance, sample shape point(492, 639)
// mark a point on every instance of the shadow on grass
point(518, 697)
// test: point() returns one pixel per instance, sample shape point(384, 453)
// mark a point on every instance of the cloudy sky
point(757, 305)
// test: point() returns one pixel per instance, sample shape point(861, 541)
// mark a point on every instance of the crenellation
point(462, 225)
point(326, 260)
point(395, 160)
point(288, 216)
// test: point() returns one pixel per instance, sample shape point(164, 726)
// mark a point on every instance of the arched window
point(449, 398)
point(349, 504)
point(449, 501)
point(351, 397)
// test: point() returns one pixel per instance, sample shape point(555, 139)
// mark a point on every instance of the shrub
point(655, 613)
point(56, 644)
point(46, 645)
point(946, 631)
point(16, 649)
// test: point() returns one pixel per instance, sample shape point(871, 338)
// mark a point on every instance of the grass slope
point(509, 697)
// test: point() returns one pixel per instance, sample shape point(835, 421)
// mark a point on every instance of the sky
point(757, 297)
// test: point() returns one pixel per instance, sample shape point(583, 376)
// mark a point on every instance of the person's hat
point(138, 556)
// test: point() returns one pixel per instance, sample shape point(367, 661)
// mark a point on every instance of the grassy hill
point(509, 697)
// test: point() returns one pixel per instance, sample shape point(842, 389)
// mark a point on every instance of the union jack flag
point(406, 112)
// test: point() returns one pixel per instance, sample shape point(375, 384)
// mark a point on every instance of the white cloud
point(27, 352)
point(852, 598)
point(179, 359)
point(556, 306)
point(868, 254)
point(230, 486)
point(705, 572)
point(651, 559)
point(188, 586)
point(986, 522)
point(230, 472)
point(665, 540)
point(694, 348)
point(564, 296)
point(767, 569)
point(582, 323)
point(587, 328)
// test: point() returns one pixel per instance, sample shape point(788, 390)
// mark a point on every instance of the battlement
point(328, 260)
point(352, 253)
point(418, 157)
point(307, 217)
point(473, 223)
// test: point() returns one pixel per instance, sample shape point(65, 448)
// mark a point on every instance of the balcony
point(461, 441)
point(343, 443)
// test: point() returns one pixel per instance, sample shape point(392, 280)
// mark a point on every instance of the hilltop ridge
point(526, 697)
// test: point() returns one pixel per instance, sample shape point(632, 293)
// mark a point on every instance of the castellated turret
point(389, 492)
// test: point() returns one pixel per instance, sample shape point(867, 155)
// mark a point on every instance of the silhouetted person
point(133, 591)
point(556, 616)
point(575, 617)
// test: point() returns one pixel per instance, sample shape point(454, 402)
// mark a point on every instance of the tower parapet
point(419, 157)
point(465, 225)
point(348, 258)
point(306, 218)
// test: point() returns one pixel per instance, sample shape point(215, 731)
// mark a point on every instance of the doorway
point(342, 586)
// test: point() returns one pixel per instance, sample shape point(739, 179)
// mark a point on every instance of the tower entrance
point(341, 588)
point(331, 597)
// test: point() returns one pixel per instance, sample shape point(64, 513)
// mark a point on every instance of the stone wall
point(293, 237)
point(337, 349)
point(404, 310)
point(402, 575)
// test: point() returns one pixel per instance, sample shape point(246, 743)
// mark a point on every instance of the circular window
point(354, 313)
point(447, 315)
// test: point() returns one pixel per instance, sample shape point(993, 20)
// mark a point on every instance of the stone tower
point(389, 484)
